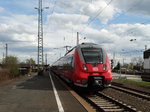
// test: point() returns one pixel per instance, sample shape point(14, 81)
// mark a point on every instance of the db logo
point(95, 69)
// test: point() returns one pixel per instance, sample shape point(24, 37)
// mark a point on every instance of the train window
point(70, 59)
point(92, 55)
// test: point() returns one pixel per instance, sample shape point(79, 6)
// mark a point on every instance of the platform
point(36, 94)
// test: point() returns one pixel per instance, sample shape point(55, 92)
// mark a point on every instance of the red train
point(85, 65)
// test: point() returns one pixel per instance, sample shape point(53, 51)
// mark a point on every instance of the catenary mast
point(40, 60)
point(40, 35)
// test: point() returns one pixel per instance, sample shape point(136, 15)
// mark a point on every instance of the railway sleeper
point(107, 107)
point(126, 108)
point(114, 110)
point(107, 104)
point(102, 102)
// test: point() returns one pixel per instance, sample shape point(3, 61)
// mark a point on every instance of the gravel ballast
point(135, 102)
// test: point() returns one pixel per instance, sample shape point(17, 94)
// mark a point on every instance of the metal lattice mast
point(40, 60)
point(40, 34)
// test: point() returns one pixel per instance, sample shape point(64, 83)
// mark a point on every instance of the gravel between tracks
point(138, 103)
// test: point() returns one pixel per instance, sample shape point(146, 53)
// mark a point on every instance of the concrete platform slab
point(35, 94)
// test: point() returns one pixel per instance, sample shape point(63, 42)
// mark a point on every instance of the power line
point(53, 9)
point(54, 6)
point(133, 29)
point(99, 12)
point(81, 16)
point(119, 15)
point(80, 12)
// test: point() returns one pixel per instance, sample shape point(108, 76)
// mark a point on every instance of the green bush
point(12, 64)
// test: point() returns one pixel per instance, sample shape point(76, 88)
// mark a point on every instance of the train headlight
point(104, 67)
point(85, 67)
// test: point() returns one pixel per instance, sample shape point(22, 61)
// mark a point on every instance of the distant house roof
point(147, 54)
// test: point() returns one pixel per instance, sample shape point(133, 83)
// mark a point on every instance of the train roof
point(85, 45)
point(90, 45)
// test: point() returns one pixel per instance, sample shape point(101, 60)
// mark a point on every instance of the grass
point(140, 83)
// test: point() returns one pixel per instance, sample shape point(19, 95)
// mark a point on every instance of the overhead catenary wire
point(82, 31)
point(133, 29)
point(99, 12)
point(80, 12)
point(51, 13)
point(80, 18)
point(54, 6)
point(95, 17)
point(129, 31)
point(115, 18)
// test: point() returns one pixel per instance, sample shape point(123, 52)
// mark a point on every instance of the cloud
point(20, 33)
point(19, 27)
point(63, 25)
point(126, 32)
point(133, 7)
point(1, 9)
point(88, 8)
point(114, 37)
point(57, 18)
point(70, 17)
point(100, 9)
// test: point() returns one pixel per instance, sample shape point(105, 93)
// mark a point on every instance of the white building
point(147, 61)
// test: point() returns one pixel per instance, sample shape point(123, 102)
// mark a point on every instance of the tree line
point(10, 66)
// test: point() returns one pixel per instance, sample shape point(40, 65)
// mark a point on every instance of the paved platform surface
point(35, 94)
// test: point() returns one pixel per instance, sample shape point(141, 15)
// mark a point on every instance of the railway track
point(120, 85)
point(104, 103)
point(133, 92)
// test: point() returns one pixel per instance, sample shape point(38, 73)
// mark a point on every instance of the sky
point(110, 23)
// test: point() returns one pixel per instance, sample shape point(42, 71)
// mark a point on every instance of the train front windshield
point(92, 55)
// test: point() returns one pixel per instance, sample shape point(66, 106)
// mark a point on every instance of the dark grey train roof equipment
point(82, 45)
point(89, 45)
